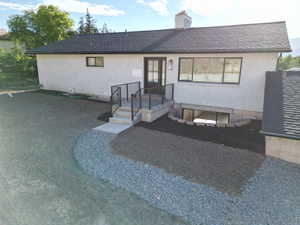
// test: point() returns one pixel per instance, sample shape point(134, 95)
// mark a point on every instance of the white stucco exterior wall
point(62, 72)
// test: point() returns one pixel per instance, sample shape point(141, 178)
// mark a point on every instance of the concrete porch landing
point(113, 128)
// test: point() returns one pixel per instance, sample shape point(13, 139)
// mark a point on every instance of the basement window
point(95, 61)
point(206, 117)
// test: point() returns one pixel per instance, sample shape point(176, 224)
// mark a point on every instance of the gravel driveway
point(41, 183)
point(270, 196)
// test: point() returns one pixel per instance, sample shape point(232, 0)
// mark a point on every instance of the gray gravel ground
point(272, 196)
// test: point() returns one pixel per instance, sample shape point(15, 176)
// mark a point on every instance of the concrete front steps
point(123, 116)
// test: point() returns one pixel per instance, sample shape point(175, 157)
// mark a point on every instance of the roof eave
point(167, 52)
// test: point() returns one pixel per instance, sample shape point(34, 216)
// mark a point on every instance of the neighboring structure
point(217, 73)
point(2, 32)
point(5, 42)
point(281, 123)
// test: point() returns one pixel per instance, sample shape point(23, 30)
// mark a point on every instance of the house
point(281, 118)
point(5, 42)
point(214, 74)
point(2, 32)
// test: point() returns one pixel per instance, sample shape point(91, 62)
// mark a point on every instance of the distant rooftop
point(2, 32)
point(282, 104)
point(260, 37)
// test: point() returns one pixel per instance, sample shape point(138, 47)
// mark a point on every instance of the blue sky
point(159, 14)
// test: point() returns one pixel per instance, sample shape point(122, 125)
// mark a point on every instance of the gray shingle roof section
point(291, 103)
point(282, 104)
point(262, 37)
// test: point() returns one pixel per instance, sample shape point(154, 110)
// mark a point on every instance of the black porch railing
point(122, 92)
point(151, 97)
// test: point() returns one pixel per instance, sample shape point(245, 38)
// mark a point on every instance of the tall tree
point(81, 26)
point(104, 28)
point(90, 24)
point(289, 62)
point(41, 27)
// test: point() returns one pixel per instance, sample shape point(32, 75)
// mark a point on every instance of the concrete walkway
point(41, 183)
point(113, 128)
point(10, 93)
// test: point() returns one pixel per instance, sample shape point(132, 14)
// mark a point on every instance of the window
point(188, 114)
point(210, 70)
point(95, 61)
point(186, 68)
point(232, 70)
point(153, 71)
point(207, 117)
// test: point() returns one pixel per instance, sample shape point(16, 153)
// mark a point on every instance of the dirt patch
point(245, 137)
point(224, 168)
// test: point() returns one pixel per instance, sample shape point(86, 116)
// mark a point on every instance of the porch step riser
point(119, 120)
point(120, 114)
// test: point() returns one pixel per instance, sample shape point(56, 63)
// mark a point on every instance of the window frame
point(182, 114)
point(207, 82)
point(87, 61)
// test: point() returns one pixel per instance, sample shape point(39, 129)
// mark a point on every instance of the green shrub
point(16, 61)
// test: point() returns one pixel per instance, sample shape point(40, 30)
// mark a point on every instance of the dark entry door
point(155, 74)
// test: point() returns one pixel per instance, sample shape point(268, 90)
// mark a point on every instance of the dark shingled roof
point(282, 104)
point(262, 37)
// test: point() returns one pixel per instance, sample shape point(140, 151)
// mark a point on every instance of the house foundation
point(236, 117)
point(283, 148)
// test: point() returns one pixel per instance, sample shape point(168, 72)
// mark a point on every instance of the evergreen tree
point(90, 24)
point(81, 26)
point(104, 29)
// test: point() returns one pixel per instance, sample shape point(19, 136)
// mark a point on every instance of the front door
point(155, 74)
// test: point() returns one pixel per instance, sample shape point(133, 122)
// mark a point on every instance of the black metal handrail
point(122, 92)
point(127, 88)
point(116, 99)
point(150, 97)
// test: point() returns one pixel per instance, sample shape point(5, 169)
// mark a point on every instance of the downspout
point(278, 59)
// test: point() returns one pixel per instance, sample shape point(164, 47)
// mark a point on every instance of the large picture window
point(210, 70)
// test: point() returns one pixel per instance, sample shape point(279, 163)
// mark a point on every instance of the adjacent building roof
point(282, 104)
point(262, 37)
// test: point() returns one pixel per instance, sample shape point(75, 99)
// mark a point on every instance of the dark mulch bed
point(223, 168)
point(245, 137)
point(105, 116)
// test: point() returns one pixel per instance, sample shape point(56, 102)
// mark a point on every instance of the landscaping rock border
point(238, 123)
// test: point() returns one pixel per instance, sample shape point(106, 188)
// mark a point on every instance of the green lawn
point(15, 81)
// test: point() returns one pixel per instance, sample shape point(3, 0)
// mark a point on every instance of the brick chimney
point(182, 20)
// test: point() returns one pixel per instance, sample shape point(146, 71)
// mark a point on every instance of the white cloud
point(81, 6)
point(16, 6)
point(269, 10)
point(69, 6)
point(206, 7)
point(247, 11)
point(160, 6)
